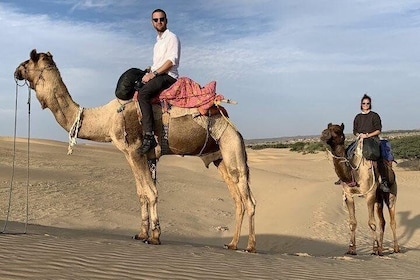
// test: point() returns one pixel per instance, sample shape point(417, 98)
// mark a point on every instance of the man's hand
point(147, 77)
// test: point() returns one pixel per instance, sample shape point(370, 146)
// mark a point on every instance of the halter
point(40, 77)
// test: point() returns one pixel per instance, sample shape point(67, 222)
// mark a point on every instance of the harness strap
point(74, 130)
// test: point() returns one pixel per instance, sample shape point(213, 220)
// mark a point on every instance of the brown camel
point(360, 177)
point(117, 122)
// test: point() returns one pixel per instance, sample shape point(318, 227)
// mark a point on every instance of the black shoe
point(149, 143)
point(338, 182)
point(383, 186)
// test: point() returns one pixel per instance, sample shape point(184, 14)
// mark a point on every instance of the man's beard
point(161, 29)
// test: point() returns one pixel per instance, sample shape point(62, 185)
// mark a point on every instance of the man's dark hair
point(159, 10)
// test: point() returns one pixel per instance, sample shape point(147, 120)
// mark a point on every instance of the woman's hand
point(363, 135)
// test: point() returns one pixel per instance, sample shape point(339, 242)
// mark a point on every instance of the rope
point(369, 190)
point(74, 130)
point(345, 160)
point(217, 103)
point(14, 161)
point(207, 138)
point(120, 110)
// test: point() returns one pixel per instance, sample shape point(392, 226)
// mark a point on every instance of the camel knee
point(352, 226)
point(234, 175)
point(372, 226)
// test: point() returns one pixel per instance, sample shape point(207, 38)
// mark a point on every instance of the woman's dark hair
point(365, 96)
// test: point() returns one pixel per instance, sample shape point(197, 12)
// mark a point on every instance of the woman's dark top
point(367, 123)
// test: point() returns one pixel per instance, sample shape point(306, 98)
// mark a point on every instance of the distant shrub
point(413, 165)
point(406, 147)
point(266, 146)
point(307, 147)
point(403, 147)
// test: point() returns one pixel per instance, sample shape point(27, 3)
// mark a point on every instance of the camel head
point(32, 69)
point(333, 135)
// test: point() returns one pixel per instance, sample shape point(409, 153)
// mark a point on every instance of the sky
point(292, 66)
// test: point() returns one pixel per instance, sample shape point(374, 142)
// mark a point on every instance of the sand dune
point(83, 211)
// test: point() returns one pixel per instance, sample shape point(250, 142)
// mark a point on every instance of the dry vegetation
point(405, 146)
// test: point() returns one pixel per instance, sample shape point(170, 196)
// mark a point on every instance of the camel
point(360, 178)
point(118, 122)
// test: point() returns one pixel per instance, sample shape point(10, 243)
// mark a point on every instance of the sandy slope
point(83, 211)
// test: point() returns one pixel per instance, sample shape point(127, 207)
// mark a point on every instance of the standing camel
point(360, 178)
point(118, 123)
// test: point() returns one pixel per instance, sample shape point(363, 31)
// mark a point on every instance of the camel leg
point(239, 211)
point(144, 226)
point(235, 172)
point(239, 207)
point(391, 201)
point(382, 223)
point(352, 225)
point(148, 197)
point(371, 201)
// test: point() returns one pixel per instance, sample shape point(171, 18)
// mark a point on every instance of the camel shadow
point(269, 244)
point(410, 225)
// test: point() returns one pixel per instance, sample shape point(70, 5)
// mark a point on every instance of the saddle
point(187, 98)
point(382, 164)
point(186, 93)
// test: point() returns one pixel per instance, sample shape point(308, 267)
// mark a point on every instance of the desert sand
point(83, 210)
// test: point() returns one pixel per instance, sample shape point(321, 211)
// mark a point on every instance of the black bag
point(127, 83)
point(371, 149)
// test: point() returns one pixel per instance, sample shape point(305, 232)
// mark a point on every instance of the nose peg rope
point(14, 161)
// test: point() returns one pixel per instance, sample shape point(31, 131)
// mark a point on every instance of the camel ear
point(342, 126)
point(329, 125)
point(49, 54)
point(34, 55)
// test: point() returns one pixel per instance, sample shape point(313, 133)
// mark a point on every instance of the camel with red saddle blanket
point(117, 122)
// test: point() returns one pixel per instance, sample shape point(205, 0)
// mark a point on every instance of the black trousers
point(149, 90)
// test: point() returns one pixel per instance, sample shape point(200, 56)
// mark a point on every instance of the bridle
point(40, 76)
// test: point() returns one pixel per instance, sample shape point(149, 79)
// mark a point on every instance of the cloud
point(293, 64)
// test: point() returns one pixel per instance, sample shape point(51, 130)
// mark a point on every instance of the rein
point(354, 169)
point(4, 230)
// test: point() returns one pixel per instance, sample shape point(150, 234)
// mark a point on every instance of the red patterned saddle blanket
point(186, 93)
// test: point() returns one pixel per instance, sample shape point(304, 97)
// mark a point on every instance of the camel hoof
point(138, 237)
point(152, 241)
point(250, 250)
point(230, 247)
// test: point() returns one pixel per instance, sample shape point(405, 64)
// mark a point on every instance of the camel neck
point(52, 93)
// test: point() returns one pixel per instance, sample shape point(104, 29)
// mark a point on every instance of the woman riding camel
point(367, 124)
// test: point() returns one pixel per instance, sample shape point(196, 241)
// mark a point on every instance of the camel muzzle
point(18, 73)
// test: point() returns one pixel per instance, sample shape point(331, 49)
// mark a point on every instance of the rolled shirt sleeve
point(167, 47)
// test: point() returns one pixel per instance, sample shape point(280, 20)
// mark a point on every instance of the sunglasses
point(162, 19)
point(365, 103)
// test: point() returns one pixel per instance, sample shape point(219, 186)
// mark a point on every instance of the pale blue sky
point(293, 66)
